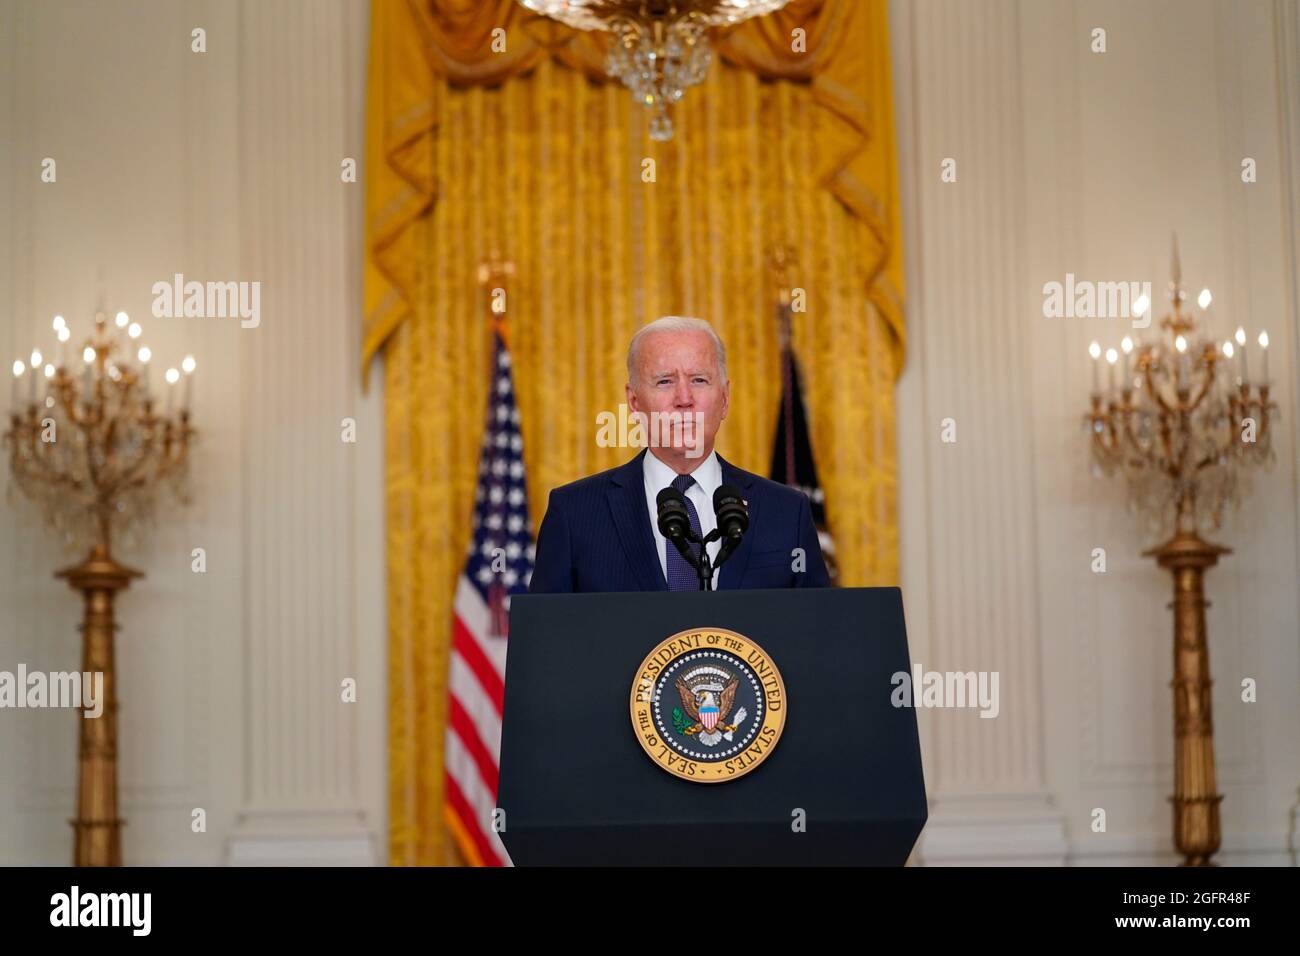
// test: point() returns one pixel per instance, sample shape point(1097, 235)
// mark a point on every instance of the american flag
point(498, 564)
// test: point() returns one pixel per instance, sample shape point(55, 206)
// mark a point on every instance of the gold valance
point(422, 47)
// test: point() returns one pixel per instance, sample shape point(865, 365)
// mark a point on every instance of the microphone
point(733, 518)
point(674, 521)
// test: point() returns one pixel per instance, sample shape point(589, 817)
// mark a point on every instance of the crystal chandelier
point(659, 46)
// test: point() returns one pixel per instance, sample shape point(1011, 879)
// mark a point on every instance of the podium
point(589, 776)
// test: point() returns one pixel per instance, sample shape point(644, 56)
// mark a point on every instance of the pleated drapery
point(533, 154)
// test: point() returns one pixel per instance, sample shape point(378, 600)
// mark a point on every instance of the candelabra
point(92, 452)
point(1183, 425)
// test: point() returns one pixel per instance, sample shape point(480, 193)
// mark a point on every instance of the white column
point(1286, 18)
point(969, 575)
point(310, 761)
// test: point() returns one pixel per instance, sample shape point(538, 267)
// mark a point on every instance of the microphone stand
point(704, 568)
point(700, 562)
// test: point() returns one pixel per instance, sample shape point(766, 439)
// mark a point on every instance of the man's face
point(678, 378)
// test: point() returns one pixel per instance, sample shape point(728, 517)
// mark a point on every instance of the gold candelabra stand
point(90, 449)
point(1182, 425)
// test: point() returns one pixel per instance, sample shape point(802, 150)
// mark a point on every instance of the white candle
point(1180, 343)
point(18, 374)
point(1263, 345)
point(1140, 306)
point(88, 374)
point(1241, 355)
point(120, 322)
point(144, 355)
point(1127, 346)
point(1111, 358)
point(188, 366)
point(172, 377)
point(1095, 351)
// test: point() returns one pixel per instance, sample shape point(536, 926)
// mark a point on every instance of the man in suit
point(600, 533)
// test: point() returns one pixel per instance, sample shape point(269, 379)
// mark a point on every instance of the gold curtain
point(534, 153)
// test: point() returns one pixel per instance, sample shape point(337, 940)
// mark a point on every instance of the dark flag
point(792, 455)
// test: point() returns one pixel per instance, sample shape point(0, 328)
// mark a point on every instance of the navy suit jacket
point(596, 536)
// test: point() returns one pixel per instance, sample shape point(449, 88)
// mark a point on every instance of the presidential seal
point(708, 705)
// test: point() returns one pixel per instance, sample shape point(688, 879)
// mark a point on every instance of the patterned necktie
point(681, 576)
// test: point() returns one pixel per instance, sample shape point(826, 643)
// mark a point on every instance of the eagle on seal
point(709, 707)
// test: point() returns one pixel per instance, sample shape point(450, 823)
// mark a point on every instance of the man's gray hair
point(675, 323)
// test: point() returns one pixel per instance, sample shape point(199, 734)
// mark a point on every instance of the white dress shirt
point(708, 476)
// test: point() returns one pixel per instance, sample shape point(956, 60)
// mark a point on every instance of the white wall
point(1073, 161)
point(225, 165)
point(221, 165)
